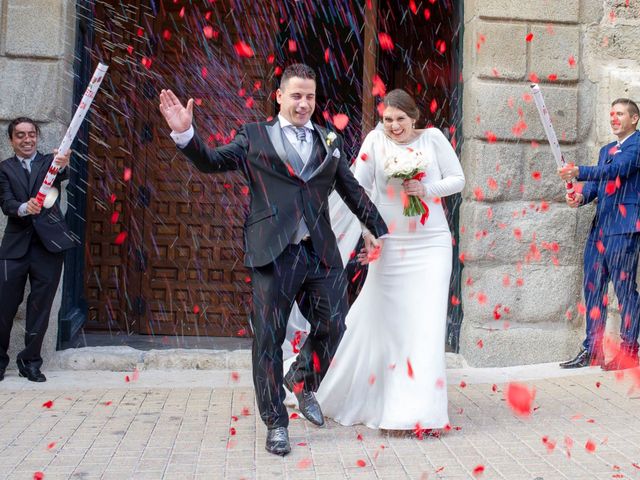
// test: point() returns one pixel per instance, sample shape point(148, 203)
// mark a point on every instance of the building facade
point(162, 248)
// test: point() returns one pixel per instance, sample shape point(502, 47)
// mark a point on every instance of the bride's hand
point(414, 188)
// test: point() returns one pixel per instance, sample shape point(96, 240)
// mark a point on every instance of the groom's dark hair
point(632, 107)
point(299, 70)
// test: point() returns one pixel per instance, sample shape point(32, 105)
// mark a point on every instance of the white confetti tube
point(545, 118)
point(47, 194)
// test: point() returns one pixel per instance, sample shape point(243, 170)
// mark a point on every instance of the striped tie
point(301, 134)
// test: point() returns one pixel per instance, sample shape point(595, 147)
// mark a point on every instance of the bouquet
point(409, 164)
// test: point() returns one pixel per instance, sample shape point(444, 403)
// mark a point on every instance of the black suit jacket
point(279, 198)
point(49, 225)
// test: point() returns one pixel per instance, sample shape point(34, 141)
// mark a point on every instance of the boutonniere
point(330, 138)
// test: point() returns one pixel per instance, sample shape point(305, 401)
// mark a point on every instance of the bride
point(389, 369)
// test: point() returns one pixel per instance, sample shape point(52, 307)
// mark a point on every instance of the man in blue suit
point(613, 246)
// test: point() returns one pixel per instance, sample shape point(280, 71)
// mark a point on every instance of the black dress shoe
point(1, 374)
point(278, 441)
point(622, 361)
point(584, 359)
point(307, 403)
point(33, 374)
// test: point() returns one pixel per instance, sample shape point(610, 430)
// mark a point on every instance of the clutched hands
point(371, 250)
point(61, 160)
point(175, 114)
point(414, 188)
point(568, 172)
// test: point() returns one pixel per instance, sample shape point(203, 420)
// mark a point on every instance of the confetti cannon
point(48, 194)
point(551, 134)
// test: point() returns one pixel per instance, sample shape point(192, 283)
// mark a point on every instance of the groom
point(291, 165)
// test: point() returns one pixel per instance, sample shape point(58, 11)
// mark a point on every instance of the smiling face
point(297, 99)
point(622, 122)
point(398, 125)
point(24, 139)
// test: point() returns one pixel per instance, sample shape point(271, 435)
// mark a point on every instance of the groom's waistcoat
point(280, 198)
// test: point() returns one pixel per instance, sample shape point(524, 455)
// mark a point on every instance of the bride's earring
point(413, 125)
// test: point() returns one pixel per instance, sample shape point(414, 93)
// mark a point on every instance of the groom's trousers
point(297, 274)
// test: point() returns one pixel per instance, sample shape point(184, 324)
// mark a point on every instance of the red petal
point(48, 404)
point(340, 120)
point(519, 398)
point(386, 43)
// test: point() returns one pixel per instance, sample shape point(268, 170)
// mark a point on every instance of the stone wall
point(36, 80)
point(521, 245)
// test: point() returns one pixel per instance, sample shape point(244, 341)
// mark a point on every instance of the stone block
point(544, 295)
point(118, 359)
point(539, 178)
point(29, 88)
point(551, 48)
point(612, 40)
point(35, 28)
point(623, 81)
point(515, 233)
point(591, 11)
point(506, 111)
point(493, 168)
point(537, 10)
point(519, 344)
point(622, 10)
point(495, 52)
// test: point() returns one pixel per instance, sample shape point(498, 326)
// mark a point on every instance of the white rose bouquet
point(409, 164)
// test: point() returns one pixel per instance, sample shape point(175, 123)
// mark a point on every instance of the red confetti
point(209, 32)
point(293, 46)
point(120, 238)
point(590, 446)
point(38, 476)
point(533, 78)
point(434, 106)
point(304, 463)
point(196, 309)
point(455, 300)
point(235, 376)
point(372, 379)
point(413, 7)
point(327, 55)
point(130, 49)
point(114, 217)
point(146, 62)
point(409, 369)
point(478, 471)
point(552, 77)
point(379, 89)
point(245, 412)
point(166, 35)
point(480, 343)
point(463, 384)
point(361, 463)
point(316, 363)
point(427, 14)
point(529, 37)
point(572, 61)
point(48, 404)
point(386, 43)
point(242, 332)
point(232, 431)
point(490, 136)
point(359, 437)
point(243, 50)
point(294, 416)
point(550, 444)
point(519, 398)
point(340, 120)
point(51, 445)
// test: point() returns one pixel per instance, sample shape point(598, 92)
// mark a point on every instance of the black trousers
point(321, 292)
point(43, 270)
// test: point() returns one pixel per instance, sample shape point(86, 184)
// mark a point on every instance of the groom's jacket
point(279, 197)
point(615, 182)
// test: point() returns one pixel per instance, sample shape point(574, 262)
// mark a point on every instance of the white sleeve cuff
point(22, 210)
point(182, 139)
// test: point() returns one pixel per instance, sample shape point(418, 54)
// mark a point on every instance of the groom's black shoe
point(584, 359)
point(307, 403)
point(278, 441)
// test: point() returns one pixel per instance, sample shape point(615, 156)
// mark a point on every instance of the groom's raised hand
point(177, 117)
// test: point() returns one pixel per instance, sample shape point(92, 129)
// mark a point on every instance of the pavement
point(202, 424)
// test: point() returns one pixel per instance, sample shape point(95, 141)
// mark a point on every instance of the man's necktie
point(301, 134)
point(26, 165)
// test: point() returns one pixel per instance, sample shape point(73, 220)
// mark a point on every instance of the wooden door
point(179, 271)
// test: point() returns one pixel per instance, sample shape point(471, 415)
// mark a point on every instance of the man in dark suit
point(613, 246)
point(31, 247)
point(291, 165)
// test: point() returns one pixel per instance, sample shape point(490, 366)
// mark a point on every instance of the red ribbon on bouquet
point(419, 176)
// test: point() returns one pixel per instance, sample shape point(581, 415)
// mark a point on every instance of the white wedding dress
point(389, 369)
